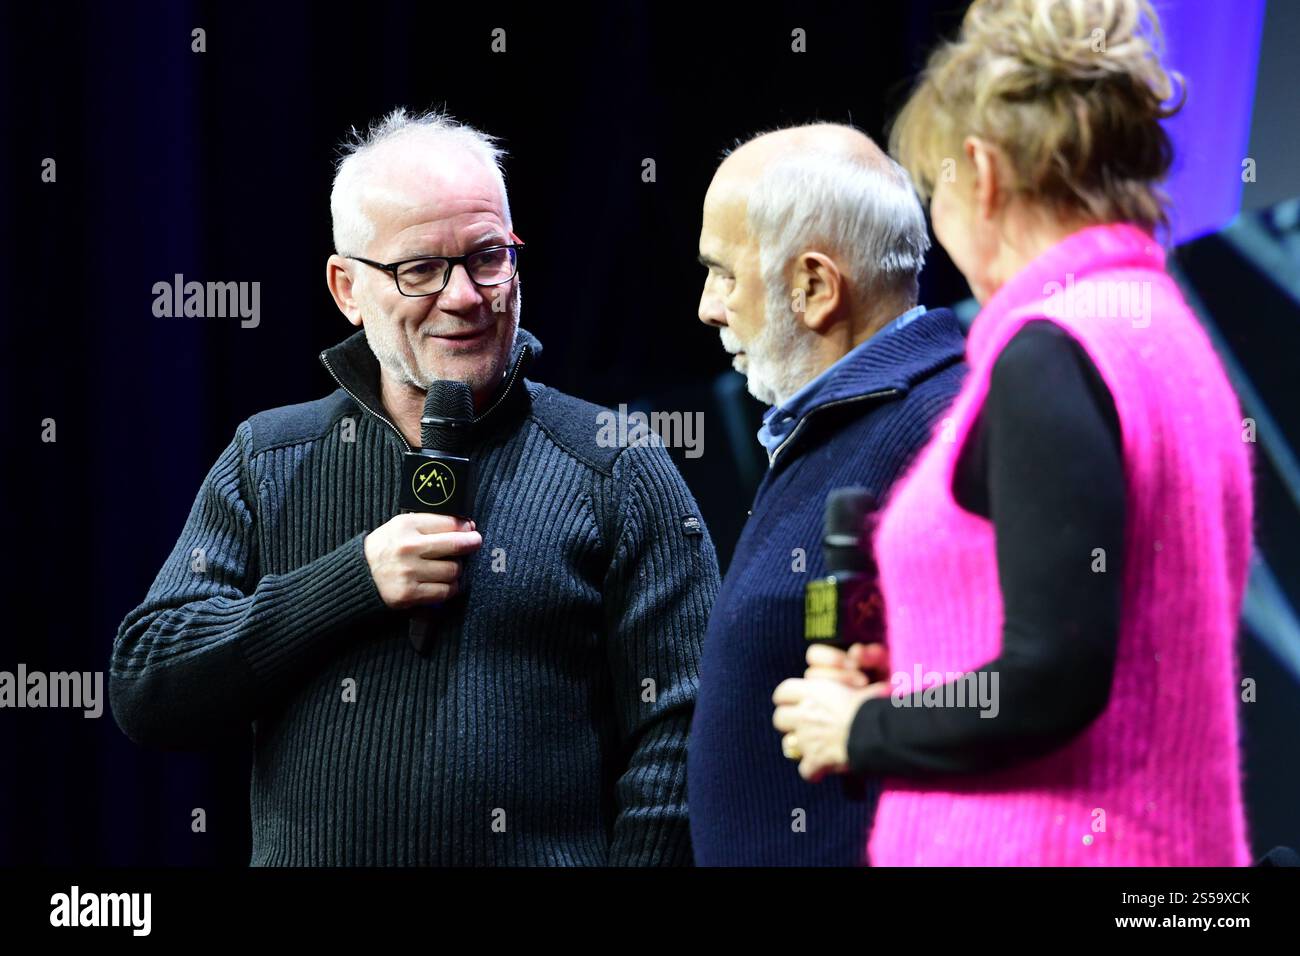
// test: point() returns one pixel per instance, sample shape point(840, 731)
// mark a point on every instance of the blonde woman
point(1074, 538)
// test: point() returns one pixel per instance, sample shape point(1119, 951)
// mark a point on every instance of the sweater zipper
point(396, 430)
point(883, 393)
point(514, 374)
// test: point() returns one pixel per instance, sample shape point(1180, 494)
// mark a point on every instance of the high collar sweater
point(548, 725)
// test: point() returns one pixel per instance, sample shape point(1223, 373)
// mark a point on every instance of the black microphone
point(845, 607)
point(438, 479)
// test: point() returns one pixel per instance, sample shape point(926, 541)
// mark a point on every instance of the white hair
point(433, 130)
point(867, 216)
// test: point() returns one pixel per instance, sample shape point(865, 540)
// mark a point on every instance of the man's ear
point(339, 280)
point(987, 161)
point(817, 290)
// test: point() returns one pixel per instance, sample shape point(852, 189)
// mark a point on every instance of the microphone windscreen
point(448, 414)
point(845, 518)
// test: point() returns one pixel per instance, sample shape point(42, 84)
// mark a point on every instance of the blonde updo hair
point(1071, 91)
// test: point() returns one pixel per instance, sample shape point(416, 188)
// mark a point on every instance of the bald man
point(546, 724)
point(813, 240)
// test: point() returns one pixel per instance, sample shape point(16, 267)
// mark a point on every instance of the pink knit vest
point(1155, 779)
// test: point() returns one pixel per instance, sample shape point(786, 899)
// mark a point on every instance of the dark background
point(218, 165)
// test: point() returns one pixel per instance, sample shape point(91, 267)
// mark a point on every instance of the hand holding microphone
point(860, 665)
point(414, 558)
point(418, 553)
point(844, 619)
point(847, 658)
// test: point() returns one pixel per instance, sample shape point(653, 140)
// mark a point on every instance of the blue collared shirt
point(779, 420)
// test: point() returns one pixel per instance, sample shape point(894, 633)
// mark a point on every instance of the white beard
point(779, 361)
point(386, 342)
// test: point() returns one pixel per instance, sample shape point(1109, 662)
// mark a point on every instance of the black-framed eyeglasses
point(429, 275)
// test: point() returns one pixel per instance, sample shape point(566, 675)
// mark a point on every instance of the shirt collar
point(780, 420)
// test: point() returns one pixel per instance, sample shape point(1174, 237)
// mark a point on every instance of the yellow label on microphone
point(433, 483)
point(821, 609)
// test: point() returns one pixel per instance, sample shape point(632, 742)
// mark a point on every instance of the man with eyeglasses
point(547, 724)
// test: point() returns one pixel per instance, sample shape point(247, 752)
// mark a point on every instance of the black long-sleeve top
point(1044, 463)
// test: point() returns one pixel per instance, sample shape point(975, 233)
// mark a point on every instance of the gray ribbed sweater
point(549, 724)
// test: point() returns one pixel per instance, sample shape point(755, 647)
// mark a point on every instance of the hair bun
point(1044, 43)
point(1072, 91)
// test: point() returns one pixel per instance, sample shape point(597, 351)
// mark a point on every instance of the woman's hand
point(815, 715)
point(851, 668)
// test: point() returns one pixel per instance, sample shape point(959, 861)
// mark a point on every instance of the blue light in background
point(1215, 46)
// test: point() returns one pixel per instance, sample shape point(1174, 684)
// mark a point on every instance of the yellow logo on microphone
point(433, 483)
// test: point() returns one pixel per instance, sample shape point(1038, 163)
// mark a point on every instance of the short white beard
point(382, 336)
point(780, 357)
